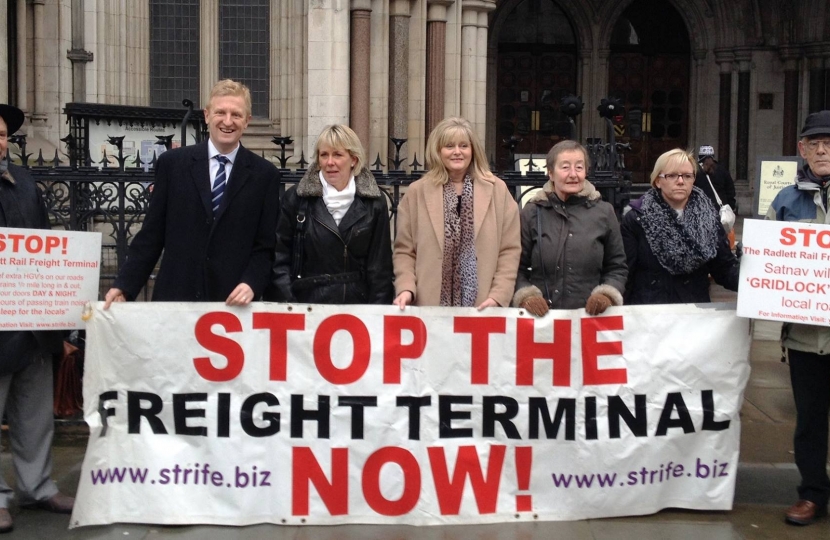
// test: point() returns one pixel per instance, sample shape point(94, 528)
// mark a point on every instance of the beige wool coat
point(419, 244)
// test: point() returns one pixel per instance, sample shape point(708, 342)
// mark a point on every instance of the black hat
point(817, 123)
point(12, 116)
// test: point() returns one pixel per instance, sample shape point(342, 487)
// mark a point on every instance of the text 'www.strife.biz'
point(644, 476)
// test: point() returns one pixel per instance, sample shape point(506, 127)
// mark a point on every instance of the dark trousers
point(810, 375)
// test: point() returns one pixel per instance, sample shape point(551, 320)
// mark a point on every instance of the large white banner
point(296, 414)
point(47, 277)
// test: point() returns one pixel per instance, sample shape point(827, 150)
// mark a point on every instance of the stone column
point(77, 54)
point(474, 61)
point(481, 72)
point(398, 72)
point(208, 48)
point(39, 60)
point(274, 86)
point(292, 68)
point(724, 60)
point(328, 67)
point(744, 59)
point(436, 51)
point(22, 58)
point(598, 127)
point(694, 118)
point(469, 41)
point(789, 59)
point(584, 89)
point(361, 46)
point(137, 18)
point(817, 63)
point(4, 55)
point(101, 56)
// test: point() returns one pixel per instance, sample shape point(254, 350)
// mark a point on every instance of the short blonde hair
point(678, 156)
point(565, 146)
point(228, 87)
point(450, 130)
point(342, 136)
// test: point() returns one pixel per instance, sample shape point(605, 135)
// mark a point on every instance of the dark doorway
point(649, 71)
point(536, 69)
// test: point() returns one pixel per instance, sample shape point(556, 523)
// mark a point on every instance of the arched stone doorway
point(649, 71)
point(536, 67)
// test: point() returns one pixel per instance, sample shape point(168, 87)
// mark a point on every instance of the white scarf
point(338, 202)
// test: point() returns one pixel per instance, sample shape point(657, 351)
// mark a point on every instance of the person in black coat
point(212, 212)
point(674, 240)
point(333, 241)
point(26, 357)
point(712, 171)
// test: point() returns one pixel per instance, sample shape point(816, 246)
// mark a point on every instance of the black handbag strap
point(299, 239)
point(541, 256)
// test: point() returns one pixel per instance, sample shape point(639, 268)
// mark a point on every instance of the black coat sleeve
point(725, 267)
point(280, 290)
point(379, 259)
point(258, 271)
point(630, 237)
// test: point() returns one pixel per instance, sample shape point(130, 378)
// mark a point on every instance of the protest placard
point(785, 272)
point(46, 277)
point(295, 414)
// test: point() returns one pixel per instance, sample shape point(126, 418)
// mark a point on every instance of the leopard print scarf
point(459, 274)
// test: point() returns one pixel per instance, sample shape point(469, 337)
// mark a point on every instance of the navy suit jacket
point(205, 258)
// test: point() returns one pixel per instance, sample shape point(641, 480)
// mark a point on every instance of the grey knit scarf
point(681, 244)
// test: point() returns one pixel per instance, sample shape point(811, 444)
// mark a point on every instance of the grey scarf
point(681, 244)
point(4, 170)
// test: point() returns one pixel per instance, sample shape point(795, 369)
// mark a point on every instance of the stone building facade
point(740, 75)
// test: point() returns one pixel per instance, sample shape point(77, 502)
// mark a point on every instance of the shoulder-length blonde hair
point(342, 136)
point(678, 156)
point(451, 130)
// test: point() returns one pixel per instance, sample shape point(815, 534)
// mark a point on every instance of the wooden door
point(655, 91)
point(531, 86)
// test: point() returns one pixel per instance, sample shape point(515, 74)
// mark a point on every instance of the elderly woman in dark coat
point(333, 240)
point(572, 252)
point(674, 239)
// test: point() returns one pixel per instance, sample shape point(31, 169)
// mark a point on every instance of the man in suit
point(26, 357)
point(213, 212)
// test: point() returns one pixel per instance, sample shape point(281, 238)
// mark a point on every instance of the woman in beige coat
point(458, 241)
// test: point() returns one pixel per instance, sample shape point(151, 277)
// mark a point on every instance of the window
point(244, 48)
point(174, 52)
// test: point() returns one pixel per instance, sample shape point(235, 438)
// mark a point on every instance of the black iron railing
point(112, 198)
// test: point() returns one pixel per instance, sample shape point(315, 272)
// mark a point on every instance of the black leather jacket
point(346, 264)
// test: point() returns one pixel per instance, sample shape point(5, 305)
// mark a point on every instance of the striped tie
point(219, 184)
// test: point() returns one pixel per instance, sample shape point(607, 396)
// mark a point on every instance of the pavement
point(765, 486)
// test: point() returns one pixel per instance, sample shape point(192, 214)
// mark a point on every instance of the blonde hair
point(673, 157)
point(447, 131)
point(341, 136)
point(566, 146)
point(228, 87)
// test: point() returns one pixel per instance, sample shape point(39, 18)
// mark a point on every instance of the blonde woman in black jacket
point(333, 240)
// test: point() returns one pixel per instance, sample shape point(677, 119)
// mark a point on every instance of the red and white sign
point(46, 277)
point(785, 272)
point(310, 414)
